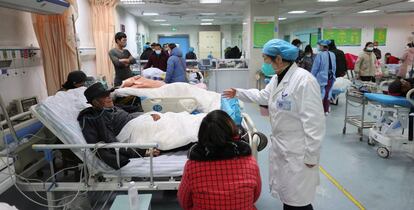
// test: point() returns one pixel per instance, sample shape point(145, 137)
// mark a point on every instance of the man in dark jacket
point(103, 122)
point(158, 59)
point(340, 59)
point(147, 52)
point(377, 51)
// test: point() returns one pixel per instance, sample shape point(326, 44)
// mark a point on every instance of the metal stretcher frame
point(112, 183)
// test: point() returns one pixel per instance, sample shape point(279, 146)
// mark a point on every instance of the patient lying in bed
point(400, 87)
point(108, 123)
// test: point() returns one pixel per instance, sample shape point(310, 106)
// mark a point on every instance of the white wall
point(133, 25)
point(399, 28)
point(20, 34)
point(191, 31)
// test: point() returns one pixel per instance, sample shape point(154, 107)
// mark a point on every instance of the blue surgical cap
point(191, 49)
point(280, 47)
point(324, 42)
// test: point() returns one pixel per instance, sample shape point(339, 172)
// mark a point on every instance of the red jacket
point(158, 61)
point(392, 60)
point(220, 184)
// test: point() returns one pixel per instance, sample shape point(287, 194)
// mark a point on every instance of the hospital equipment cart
point(357, 97)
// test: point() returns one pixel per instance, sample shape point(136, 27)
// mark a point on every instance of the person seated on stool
point(221, 172)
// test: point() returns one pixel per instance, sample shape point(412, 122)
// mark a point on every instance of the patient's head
point(98, 96)
point(217, 130)
point(75, 79)
point(399, 87)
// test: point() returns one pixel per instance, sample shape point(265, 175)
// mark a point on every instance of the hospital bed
point(394, 121)
point(149, 173)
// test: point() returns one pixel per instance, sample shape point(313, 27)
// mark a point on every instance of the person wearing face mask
point(377, 51)
point(307, 60)
point(121, 58)
point(158, 59)
point(407, 61)
point(298, 125)
point(324, 69)
point(365, 65)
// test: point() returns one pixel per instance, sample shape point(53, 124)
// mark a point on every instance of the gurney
point(394, 121)
point(149, 173)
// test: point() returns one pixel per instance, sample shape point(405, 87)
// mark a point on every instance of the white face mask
point(369, 49)
point(158, 52)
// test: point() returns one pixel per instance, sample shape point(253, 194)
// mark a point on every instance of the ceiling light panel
point(210, 1)
point(297, 12)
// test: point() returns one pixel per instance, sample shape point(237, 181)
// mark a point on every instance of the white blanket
point(208, 100)
point(153, 72)
point(173, 130)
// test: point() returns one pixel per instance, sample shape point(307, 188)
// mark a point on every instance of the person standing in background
point(407, 61)
point(377, 51)
point(365, 66)
point(324, 69)
point(191, 55)
point(121, 58)
point(158, 59)
point(147, 52)
point(340, 60)
point(307, 60)
point(176, 66)
point(389, 59)
point(297, 43)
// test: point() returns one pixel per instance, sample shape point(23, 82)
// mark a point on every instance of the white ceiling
point(187, 12)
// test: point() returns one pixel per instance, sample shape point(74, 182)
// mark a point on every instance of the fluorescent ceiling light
point(165, 24)
point(132, 2)
point(206, 24)
point(282, 18)
point(159, 20)
point(207, 20)
point(297, 12)
point(244, 23)
point(328, 0)
point(368, 11)
point(149, 13)
point(210, 1)
point(411, 1)
point(207, 14)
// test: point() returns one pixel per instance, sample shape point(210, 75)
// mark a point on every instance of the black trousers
point(287, 207)
point(367, 78)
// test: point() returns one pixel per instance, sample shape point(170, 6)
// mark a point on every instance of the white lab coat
point(298, 127)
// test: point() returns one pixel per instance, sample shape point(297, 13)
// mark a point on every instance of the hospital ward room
point(206, 104)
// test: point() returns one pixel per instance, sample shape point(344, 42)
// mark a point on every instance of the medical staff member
point(298, 125)
point(324, 70)
point(176, 66)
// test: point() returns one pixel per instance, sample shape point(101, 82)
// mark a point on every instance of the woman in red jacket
point(221, 173)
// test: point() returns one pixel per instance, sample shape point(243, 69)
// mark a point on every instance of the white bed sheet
point(59, 113)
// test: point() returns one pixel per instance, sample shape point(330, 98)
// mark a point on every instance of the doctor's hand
point(229, 93)
point(310, 165)
point(155, 117)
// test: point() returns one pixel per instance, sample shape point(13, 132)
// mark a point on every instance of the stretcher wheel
point(344, 130)
point(262, 141)
point(371, 142)
point(383, 152)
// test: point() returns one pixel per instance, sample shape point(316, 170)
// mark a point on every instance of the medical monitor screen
point(27, 103)
point(206, 62)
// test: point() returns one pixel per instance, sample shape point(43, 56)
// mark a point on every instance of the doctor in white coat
point(298, 125)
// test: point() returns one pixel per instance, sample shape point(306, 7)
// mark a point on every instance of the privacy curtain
point(57, 41)
point(103, 29)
